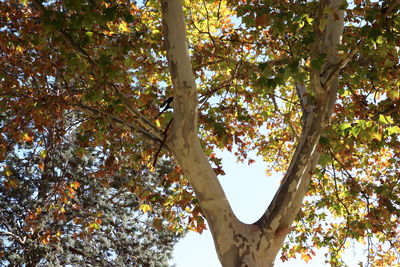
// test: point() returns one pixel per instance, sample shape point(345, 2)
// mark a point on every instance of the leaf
point(317, 63)
point(75, 185)
point(261, 20)
point(385, 119)
point(11, 183)
point(355, 131)
point(27, 138)
point(345, 126)
point(376, 136)
point(323, 140)
point(379, 40)
point(7, 172)
point(394, 129)
point(41, 165)
point(325, 159)
point(43, 154)
point(123, 27)
point(157, 223)
point(145, 208)
point(94, 226)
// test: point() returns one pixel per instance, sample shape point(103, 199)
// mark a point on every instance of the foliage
point(106, 59)
point(60, 207)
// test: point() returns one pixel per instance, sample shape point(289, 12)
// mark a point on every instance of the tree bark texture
point(257, 244)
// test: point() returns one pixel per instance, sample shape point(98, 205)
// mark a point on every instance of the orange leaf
point(41, 165)
point(75, 185)
point(27, 138)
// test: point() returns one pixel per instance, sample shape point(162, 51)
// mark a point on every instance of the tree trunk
point(257, 244)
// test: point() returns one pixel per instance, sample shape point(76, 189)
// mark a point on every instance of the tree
point(307, 85)
point(59, 208)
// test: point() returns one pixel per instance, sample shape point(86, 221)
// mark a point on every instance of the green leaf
point(385, 119)
point(380, 39)
point(110, 13)
point(355, 131)
point(393, 130)
point(345, 126)
point(92, 96)
point(324, 140)
point(318, 62)
point(325, 159)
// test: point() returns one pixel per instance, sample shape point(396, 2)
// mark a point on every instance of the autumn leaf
point(41, 165)
point(11, 183)
point(145, 208)
point(75, 185)
point(27, 138)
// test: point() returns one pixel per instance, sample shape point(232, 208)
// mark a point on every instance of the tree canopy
point(311, 86)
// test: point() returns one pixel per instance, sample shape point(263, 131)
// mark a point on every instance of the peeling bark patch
point(240, 240)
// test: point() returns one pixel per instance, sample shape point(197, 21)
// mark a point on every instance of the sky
point(249, 190)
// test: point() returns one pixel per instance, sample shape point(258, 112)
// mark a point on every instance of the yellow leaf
point(94, 225)
point(7, 172)
point(306, 257)
point(123, 27)
point(19, 49)
point(145, 208)
point(376, 136)
point(43, 154)
point(24, 2)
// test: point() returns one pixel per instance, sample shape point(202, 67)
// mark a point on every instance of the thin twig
point(162, 143)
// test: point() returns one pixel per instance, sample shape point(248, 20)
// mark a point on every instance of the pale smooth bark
point(239, 244)
point(185, 144)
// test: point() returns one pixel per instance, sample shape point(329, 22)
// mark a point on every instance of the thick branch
point(135, 128)
point(301, 90)
point(186, 145)
point(287, 201)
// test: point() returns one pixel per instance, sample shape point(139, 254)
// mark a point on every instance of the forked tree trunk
point(257, 244)
point(239, 244)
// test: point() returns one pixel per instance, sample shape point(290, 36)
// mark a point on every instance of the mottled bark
point(184, 142)
point(241, 244)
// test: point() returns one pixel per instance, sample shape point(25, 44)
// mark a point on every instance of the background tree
point(310, 85)
point(59, 206)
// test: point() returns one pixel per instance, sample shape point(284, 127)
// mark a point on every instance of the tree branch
point(20, 240)
point(287, 201)
point(95, 113)
point(184, 140)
